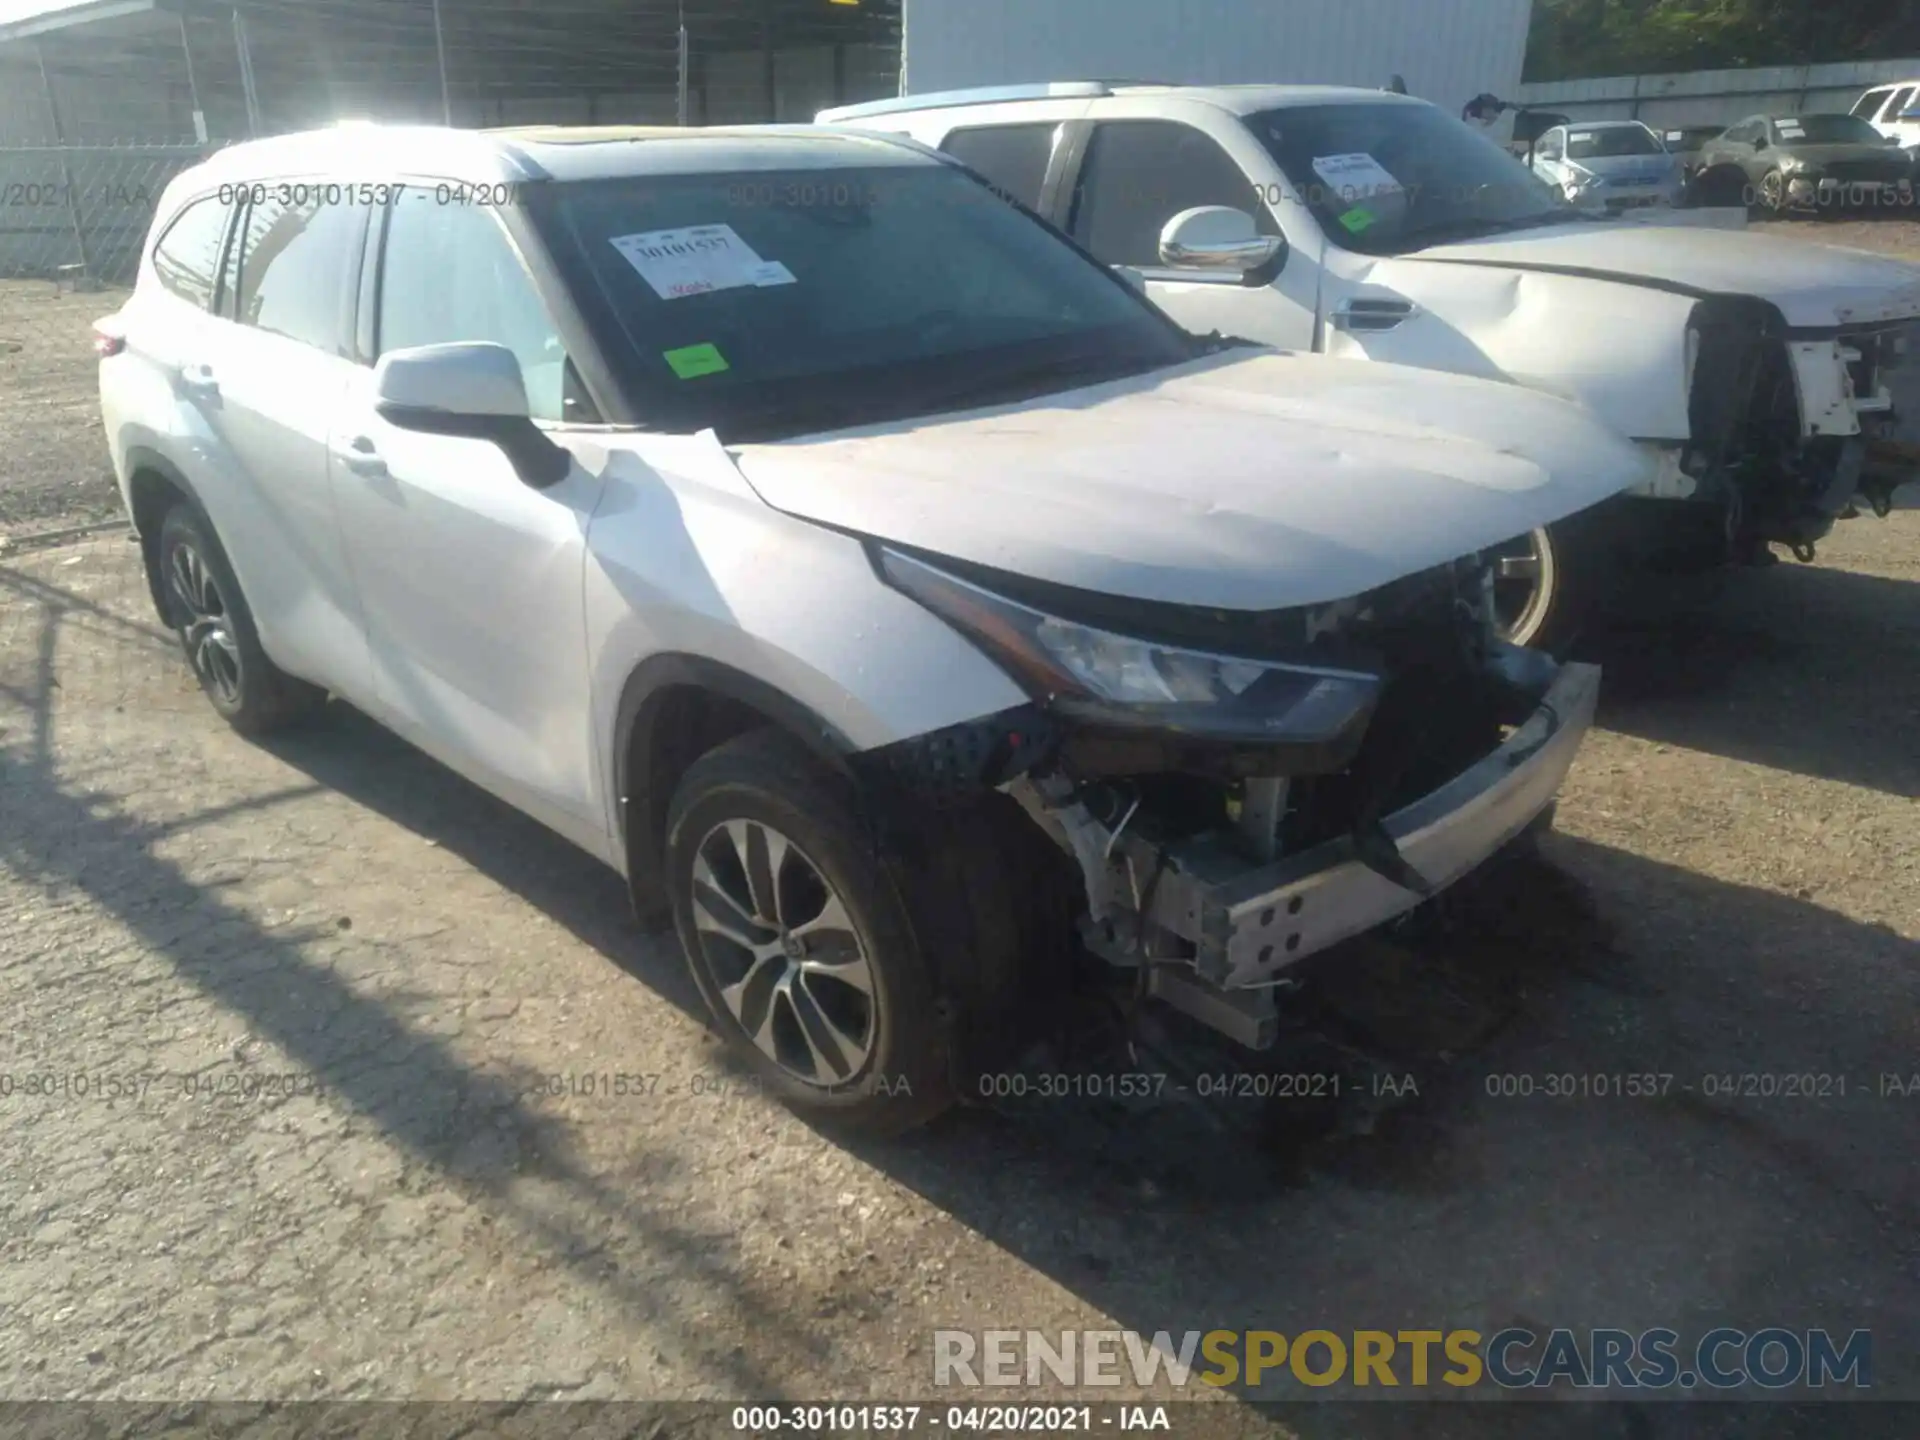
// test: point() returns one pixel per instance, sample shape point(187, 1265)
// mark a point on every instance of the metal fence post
point(193, 85)
point(66, 170)
point(683, 98)
point(246, 73)
point(440, 49)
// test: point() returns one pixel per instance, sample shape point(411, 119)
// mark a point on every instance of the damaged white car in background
point(1757, 373)
point(886, 590)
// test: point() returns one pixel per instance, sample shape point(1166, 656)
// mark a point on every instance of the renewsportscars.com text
point(1773, 1358)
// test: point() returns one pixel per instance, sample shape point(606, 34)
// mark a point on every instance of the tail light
point(107, 339)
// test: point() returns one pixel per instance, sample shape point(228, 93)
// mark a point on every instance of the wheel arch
point(673, 709)
point(154, 486)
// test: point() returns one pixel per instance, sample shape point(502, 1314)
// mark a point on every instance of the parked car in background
point(1893, 110)
point(1684, 143)
point(1609, 164)
point(1750, 368)
point(865, 573)
point(1807, 162)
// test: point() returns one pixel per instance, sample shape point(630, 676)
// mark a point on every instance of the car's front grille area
point(1851, 172)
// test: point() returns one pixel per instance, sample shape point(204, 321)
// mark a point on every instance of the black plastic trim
point(640, 710)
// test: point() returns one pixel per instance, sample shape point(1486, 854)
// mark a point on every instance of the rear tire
point(802, 945)
point(209, 613)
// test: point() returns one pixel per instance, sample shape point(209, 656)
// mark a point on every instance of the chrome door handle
point(1371, 316)
point(360, 456)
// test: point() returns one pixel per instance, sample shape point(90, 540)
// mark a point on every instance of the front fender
point(691, 582)
point(1619, 349)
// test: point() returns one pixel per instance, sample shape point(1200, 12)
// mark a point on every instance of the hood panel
point(1814, 285)
point(1252, 481)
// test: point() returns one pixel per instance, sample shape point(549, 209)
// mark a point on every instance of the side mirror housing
point(1218, 239)
point(1761, 143)
point(472, 390)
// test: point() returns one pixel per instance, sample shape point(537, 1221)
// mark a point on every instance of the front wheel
point(1773, 192)
point(1540, 592)
point(799, 941)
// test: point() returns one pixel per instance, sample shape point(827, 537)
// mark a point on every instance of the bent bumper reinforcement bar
point(1249, 923)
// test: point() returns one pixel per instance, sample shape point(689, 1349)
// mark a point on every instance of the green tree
point(1574, 38)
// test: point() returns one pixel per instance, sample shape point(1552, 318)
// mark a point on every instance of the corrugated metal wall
point(1448, 50)
point(1717, 97)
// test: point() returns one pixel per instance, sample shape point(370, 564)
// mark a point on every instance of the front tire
point(800, 942)
point(209, 613)
point(1773, 193)
point(1542, 591)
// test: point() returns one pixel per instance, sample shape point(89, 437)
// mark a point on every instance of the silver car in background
point(1609, 164)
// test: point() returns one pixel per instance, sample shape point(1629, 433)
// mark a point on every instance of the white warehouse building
point(1448, 51)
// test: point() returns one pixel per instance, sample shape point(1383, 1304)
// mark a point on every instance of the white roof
point(373, 152)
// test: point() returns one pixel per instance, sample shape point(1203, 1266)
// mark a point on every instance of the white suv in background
point(1753, 370)
point(823, 543)
point(1893, 110)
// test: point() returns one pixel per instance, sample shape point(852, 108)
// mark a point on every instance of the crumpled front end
point(1396, 746)
point(1794, 428)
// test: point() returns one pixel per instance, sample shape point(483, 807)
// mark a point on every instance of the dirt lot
point(1735, 891)
point(318, 997)
point(54, 470)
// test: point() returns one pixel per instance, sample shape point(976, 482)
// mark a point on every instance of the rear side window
point(451, 275)
point(1139, 174)
point(1013, 157)
point(187, 259)
point(294, 264)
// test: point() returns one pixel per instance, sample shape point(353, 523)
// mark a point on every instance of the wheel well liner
point(673, 709)
point(154, 486)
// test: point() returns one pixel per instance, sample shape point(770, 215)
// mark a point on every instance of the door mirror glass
point(472, 390)
point(1219, 240)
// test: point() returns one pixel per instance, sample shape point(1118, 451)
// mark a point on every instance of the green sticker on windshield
point(692, 361)
point(1358, 219)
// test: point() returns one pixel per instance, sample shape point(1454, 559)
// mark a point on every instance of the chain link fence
point(97, 117)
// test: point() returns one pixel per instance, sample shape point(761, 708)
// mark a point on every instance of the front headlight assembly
point(1099, 678)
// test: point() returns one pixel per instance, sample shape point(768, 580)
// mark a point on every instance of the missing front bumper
point(1239, 926)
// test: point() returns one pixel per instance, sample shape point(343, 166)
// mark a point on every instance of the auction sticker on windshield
point(1354, 176)
point(698, 259)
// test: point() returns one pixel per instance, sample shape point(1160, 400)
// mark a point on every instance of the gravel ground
point(335, 987)
point(1734, 891)
point(54, 470)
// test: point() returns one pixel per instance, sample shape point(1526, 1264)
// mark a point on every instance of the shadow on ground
point(1795, 667)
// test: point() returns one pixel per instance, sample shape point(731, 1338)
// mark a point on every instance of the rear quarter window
point(186, 259)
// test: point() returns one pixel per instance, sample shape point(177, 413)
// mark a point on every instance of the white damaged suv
point(1757, 373)
point(864, 573)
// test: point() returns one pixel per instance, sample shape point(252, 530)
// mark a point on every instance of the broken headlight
point(1092, 674)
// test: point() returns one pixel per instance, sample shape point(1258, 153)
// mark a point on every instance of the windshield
point(770, 303)
point(1613, 141)
point(1387, 178)
point(1827, 130)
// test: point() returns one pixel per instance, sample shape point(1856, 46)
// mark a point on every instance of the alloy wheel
point(1526, 578)
point(205, 625)
point(782, 951)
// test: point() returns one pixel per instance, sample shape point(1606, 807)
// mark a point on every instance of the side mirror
point(472, 390)
point(1761, 143)
point(1218, 239)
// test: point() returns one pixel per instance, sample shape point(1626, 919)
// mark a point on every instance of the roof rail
point(984, 95)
